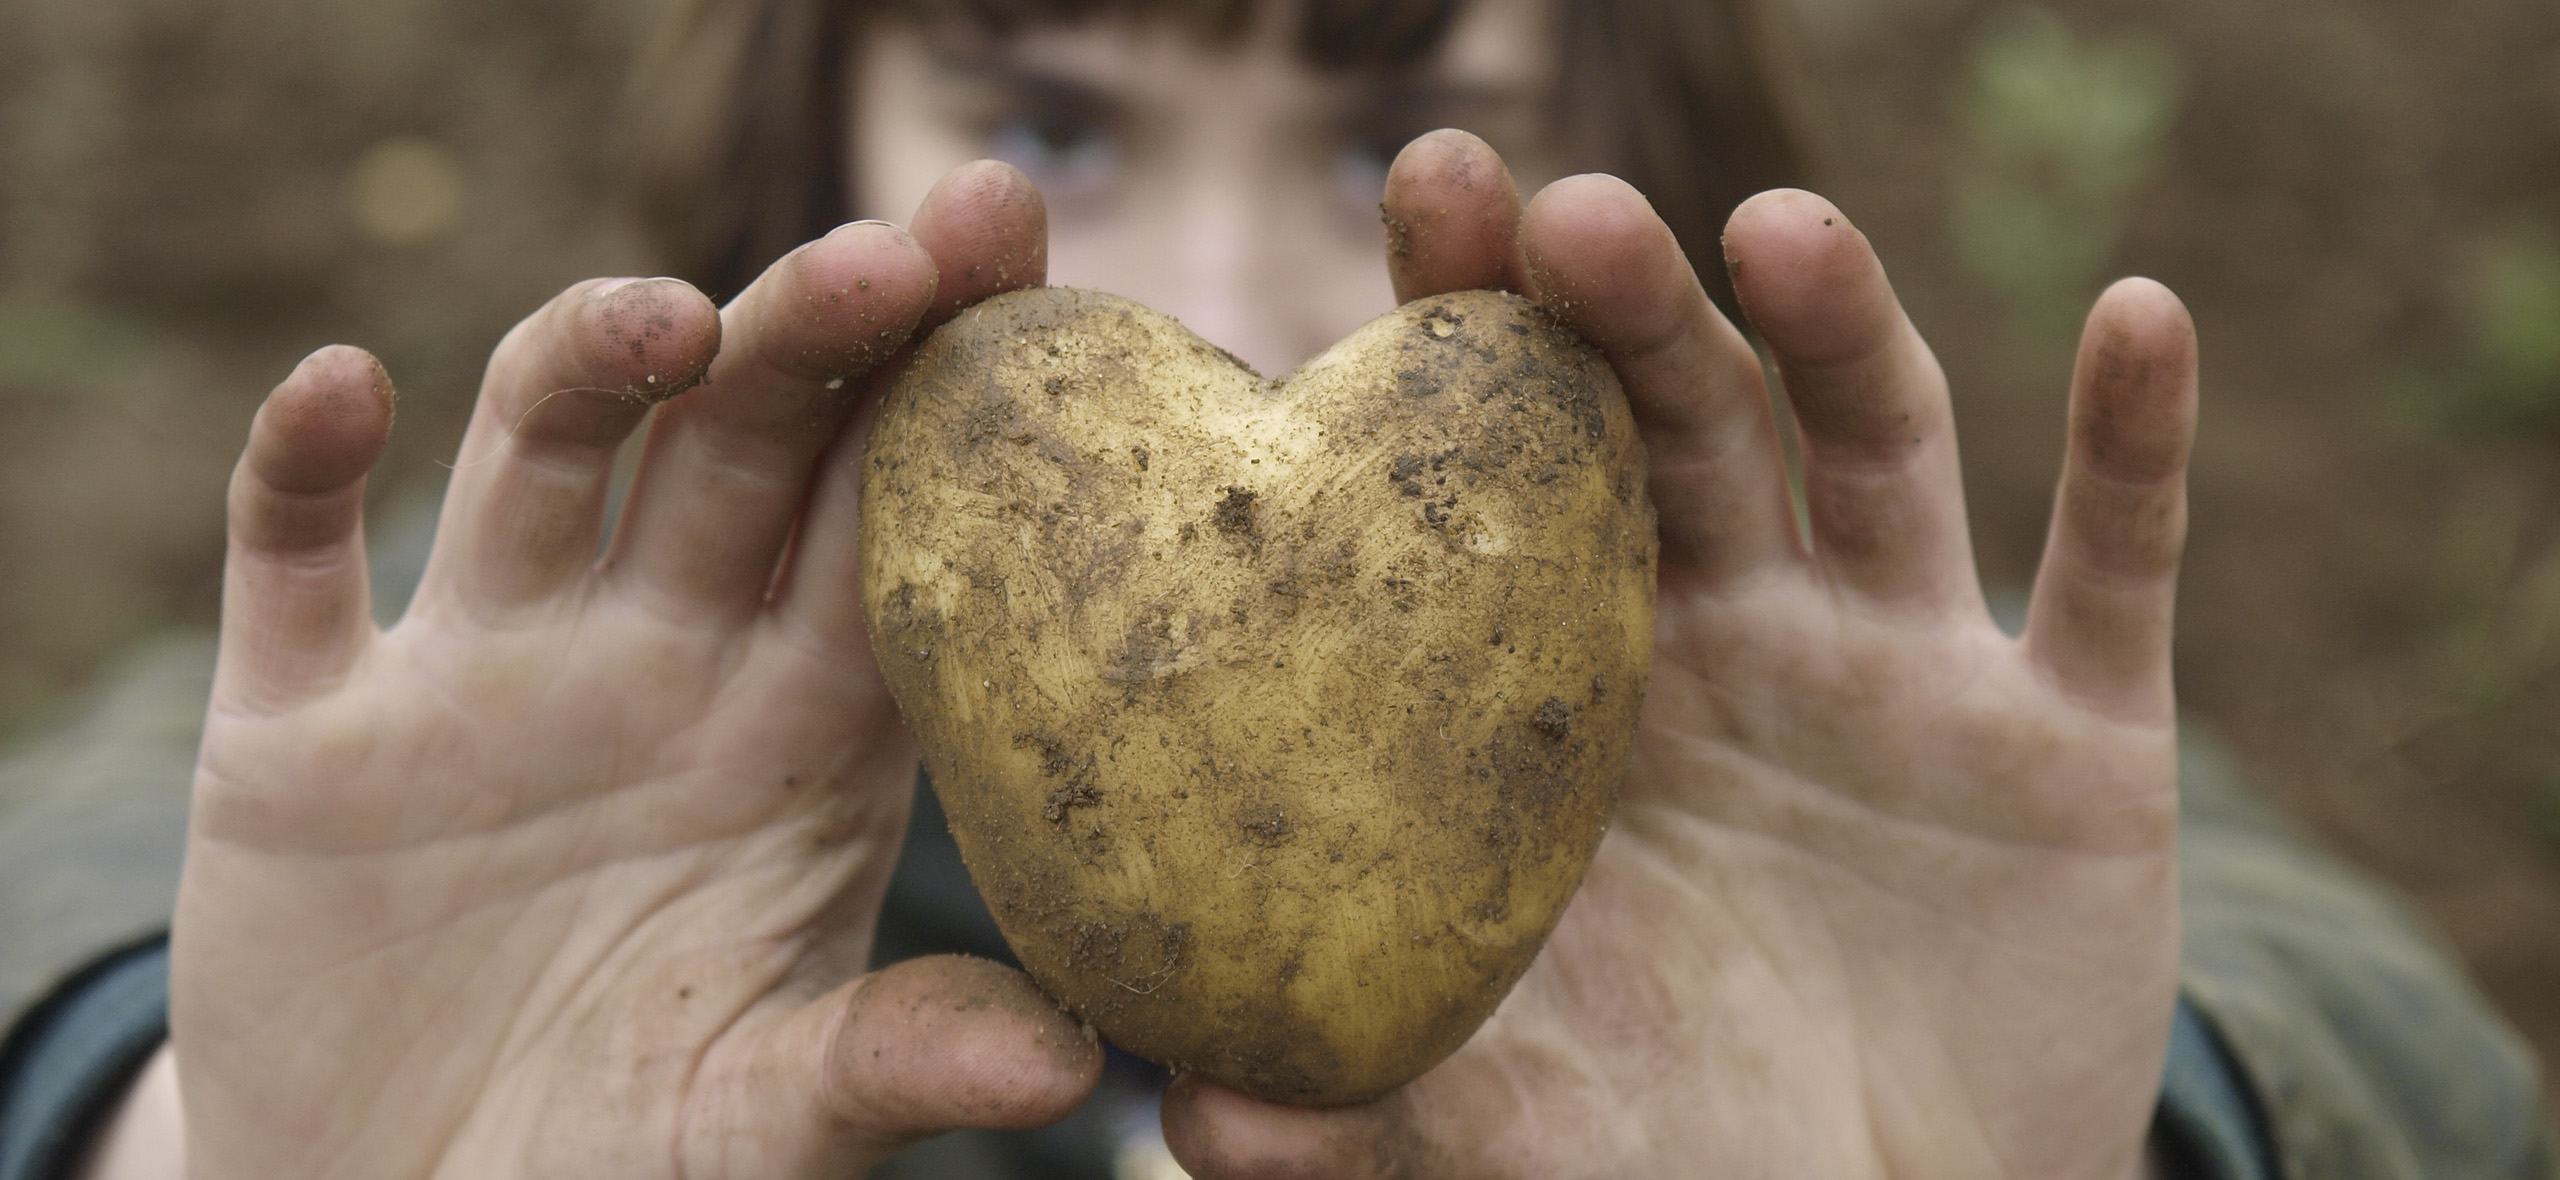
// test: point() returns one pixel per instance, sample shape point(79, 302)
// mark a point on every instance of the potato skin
point(1277, 721)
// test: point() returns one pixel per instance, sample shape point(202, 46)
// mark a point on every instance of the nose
point(1241, 250)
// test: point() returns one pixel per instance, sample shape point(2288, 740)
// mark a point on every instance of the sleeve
point(2207, 1126)
point(93, 821)
point(93, 832)
point(93, 811)
point(71, 1056)
point(2353, 1034)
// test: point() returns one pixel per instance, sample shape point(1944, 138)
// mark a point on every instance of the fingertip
point(1779, 209)
point(2105, 598)
point(1600, 259)
point(2134, 416)
point(986, 228)
point(1452, 217)
point(846, 301)
point(1580, 216)
point(2146, 312)
point(950, 1041)
point(1806, 276)
point(294, 602)
point(1218, 1133)
point(324, 425)
point(657, 335)
point(1451, 155)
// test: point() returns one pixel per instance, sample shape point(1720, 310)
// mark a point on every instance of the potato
point(1277, 721)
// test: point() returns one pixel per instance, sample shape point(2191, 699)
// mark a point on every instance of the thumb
point(1223, 1134)
point(902, 1054)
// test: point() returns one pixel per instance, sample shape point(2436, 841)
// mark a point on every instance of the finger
point(1216, 1133)
point(727, 465)
point(296, 609)
point(563, 390)
point(904, 1053)
point(1601, 261)
point(988, 233)
point(1453, 219)
point(2100, 618)
point(1881, 483)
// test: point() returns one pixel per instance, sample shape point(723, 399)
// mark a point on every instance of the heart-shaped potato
point(1276, 720)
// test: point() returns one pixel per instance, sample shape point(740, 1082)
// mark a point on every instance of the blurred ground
point(2360, 200)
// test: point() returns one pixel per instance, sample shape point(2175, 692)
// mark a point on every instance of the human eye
point(1360, 160)
point(1069, 145)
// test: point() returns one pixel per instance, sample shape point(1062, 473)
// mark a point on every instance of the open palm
point(573, 871)
point(1888, 892)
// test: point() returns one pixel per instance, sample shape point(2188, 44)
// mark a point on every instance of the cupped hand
point(1888, 892)
point(572, 872)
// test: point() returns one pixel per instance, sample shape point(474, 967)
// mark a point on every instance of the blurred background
point(2359, 199)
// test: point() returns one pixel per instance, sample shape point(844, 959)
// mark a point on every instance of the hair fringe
point(739, 146)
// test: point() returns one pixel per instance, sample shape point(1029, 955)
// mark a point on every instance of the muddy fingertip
point(325, 424)
point(658, 334)
point(1221, 1134)
point(951, 1041)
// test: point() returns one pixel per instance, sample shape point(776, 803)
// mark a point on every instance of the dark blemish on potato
point(1118, 950)
point(1147, 651)
point(905, 617)
point(1405, 474)
point(1266, 825)
point(1139, 454)
point(1073, 795)
point(1235, 513)
point(1054, 760)
point(987, 419)
point(1553, 719)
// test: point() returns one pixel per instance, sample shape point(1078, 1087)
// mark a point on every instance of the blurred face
point(1234, 187)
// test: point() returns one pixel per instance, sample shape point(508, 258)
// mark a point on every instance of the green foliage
point(54, 345)
point(2519, 323)
point(2063, 131)
point(2499, 374)
point(2491, 630)
point(2512, 376)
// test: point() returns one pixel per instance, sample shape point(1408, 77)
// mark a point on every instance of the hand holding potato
point(572, 871)
point(573, 865)
point(1887, 892)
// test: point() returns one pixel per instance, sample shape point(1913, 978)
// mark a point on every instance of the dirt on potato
point(1277, 720)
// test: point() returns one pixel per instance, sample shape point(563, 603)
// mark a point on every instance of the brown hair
point(742, 140)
